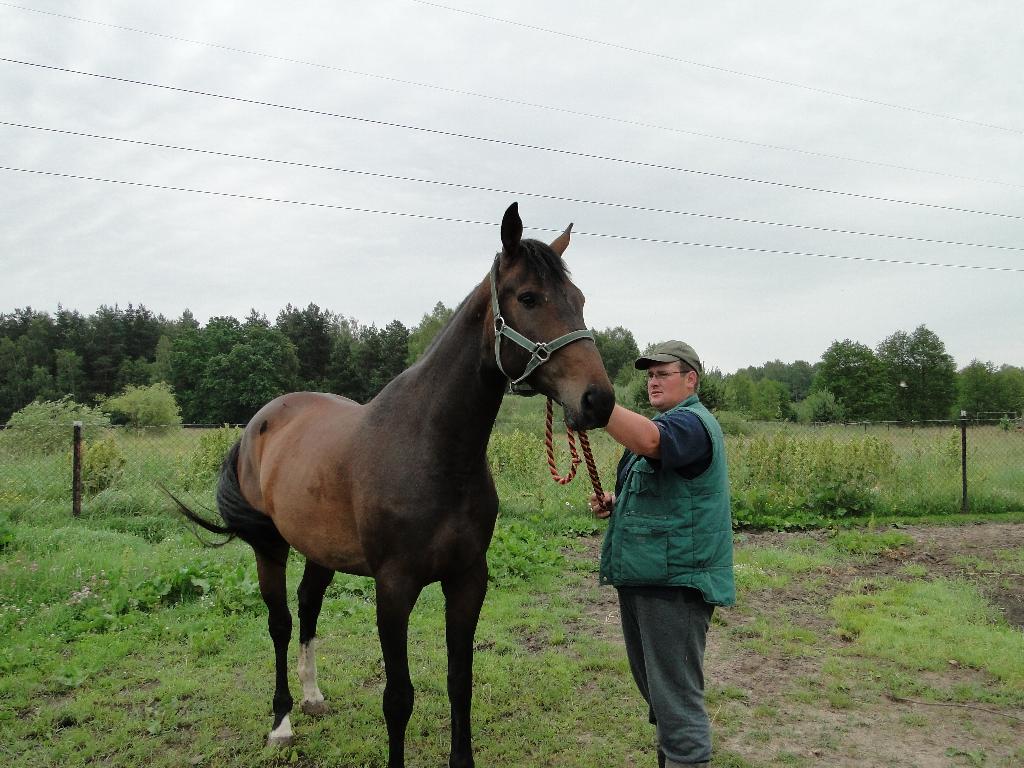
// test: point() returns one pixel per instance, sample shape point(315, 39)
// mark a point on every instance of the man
point(668, 548)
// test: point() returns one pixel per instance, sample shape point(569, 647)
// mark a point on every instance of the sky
point(360, 155)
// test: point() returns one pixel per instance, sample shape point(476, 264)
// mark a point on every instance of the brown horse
point(399, 489)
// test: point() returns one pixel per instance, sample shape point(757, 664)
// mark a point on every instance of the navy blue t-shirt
point(685, 446)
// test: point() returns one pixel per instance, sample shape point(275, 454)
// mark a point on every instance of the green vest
point(670, 531)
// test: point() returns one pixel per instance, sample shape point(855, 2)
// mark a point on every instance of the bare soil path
point(785, 689)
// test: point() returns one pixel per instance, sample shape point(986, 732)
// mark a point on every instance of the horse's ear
point(560, 243)
point(511, 230)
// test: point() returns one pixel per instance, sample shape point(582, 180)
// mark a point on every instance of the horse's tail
point(241, 519)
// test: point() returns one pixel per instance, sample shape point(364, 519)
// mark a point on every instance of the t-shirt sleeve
point(685, 441)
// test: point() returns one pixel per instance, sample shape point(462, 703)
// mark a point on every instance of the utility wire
point(448, 219)
point(508, 143)
point(514, 193)
point(518, 102)
point(725, 70)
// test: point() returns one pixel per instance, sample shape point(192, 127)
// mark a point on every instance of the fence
point(929, 467)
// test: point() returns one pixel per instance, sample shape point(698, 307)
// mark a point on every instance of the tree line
point(225, 370)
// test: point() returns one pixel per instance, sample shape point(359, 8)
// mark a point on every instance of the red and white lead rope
point(588, 456)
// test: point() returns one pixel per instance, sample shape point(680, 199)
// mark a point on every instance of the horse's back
point(292, 466)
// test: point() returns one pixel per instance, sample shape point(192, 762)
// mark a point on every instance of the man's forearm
point(635, 432)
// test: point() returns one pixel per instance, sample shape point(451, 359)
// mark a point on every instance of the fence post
point(963, 460)
point(76, 471)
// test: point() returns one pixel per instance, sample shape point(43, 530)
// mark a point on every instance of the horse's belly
point(325, 537)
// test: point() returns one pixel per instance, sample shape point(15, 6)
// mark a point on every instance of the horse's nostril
point(596, 405)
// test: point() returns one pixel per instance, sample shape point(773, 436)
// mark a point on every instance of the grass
point(929, 625)
point(123, 642)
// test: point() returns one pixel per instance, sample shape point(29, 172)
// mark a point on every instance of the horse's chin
point(574, 420)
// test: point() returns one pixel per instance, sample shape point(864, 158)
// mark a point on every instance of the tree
point(618, 350)
point(421, 337)
point(712, 390)
point(739, 389)
point(984, 389)
point(797, 376)
point(134, 372)
point(161, 368)
point(311, 331)
point(919, 375)
point(104, 351)
point(258, 367)
point(380, 357)
point(14, 379)
point(850, 371)
point(69, 379)
point(343, 375)
point(1011, 386)
point(770, 401)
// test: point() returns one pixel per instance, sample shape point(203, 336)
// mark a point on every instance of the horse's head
point(538, 303)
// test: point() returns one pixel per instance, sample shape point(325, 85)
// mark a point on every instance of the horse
point(399, 489)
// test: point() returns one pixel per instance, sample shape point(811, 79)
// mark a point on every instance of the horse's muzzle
point(594, 411)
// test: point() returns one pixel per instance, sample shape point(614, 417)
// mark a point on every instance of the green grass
point(929, 625)
point(124, 642)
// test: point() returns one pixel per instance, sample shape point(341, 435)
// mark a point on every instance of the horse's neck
point(456, 385)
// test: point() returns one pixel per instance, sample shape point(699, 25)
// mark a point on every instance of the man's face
point(668, 386)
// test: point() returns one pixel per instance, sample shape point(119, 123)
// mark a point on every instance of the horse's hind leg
point(271, 570)
point(464, 595)
point(315, 581)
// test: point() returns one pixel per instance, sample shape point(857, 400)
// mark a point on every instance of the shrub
point(733, 423)
point(515, 455)
point(203, 463)
point(152, 406)
point(6, 534)
point(518, 552)
point(819, 406)
point(102, 464)
point(800, 481)
point(46, 427)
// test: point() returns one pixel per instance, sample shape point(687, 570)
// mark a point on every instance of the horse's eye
point(528, 299)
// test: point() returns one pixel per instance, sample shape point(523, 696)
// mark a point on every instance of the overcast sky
point(651, 105)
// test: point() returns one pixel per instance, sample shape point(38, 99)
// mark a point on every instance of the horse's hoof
point(279, 741)
point(315, 708)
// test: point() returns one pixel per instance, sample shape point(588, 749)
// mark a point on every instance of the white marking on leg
point(312, 699)
point(282, 734)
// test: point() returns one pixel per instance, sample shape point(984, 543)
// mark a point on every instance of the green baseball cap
point(670, 352)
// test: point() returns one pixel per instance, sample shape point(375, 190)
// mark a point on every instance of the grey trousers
point(665, 629)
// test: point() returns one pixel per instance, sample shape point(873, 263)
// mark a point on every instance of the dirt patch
point(777, 699)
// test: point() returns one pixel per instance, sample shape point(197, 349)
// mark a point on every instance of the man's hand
point(604, 507)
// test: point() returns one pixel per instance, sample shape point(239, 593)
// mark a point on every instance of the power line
point(725, 70)
point(514, 193)
point(508, 143)
point(516, 102)
point(448, 219)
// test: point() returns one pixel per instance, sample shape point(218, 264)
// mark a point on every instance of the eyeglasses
point(661, 375)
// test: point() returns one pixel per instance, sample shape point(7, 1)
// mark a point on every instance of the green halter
point(540, 351)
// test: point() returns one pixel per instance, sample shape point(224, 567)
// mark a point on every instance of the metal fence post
point(963, 460)
point(76, 471)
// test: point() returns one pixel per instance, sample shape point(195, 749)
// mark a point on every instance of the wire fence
point(942, 467)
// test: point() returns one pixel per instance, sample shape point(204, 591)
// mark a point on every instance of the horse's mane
point(545, 262)
point(541, 259)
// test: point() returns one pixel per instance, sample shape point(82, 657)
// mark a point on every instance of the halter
point(540, 351)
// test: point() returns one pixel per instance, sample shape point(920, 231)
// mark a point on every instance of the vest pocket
point(644, 481)
point(644, 555)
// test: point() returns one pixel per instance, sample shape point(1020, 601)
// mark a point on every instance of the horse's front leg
point(396, 595)
point(464, 595)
